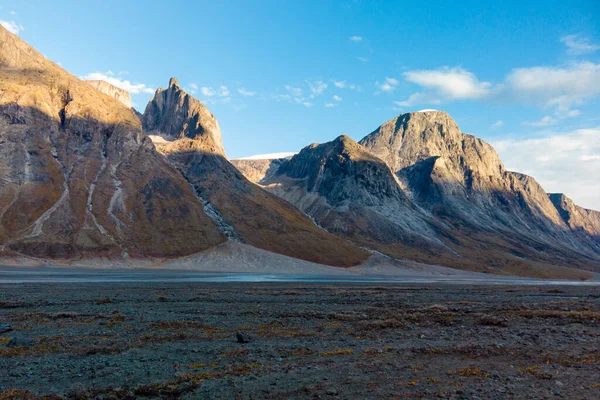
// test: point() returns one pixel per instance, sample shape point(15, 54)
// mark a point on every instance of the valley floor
point(347, 341)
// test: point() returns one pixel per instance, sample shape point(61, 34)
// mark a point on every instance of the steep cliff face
point(244, 211)
point(579, 219)
point(122, 95)
point(77, 175)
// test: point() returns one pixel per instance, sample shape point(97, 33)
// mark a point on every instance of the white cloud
point(391, 81)
point(208, 92)
point(447, 84)
point(386, 87)
point(245, 92)
point(344, 85)
point(317, 87)
point(330, 105)
point(194, 86)
point(12, 12)
point(559, 87)
point(545, 121)
point(356, 38)
point(563, 162)
point(578, 45)
point(337, 98)
point(498, 124)
point(362, 59)
point(133, 88)
point(12, 26)
point(222, 91)
point(307, 104)
point(294, 91)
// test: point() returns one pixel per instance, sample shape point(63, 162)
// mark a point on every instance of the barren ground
point(148, 340)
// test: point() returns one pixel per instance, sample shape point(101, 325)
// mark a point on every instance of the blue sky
point(279, 75)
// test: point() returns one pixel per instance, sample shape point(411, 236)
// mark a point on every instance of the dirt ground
point(148, 340)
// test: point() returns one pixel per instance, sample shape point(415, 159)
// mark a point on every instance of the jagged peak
point(173, 82)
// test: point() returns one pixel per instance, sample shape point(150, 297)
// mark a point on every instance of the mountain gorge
point(83, 175)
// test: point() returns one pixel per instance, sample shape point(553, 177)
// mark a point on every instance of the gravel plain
point(342, 341)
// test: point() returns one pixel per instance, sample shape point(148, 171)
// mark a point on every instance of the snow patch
point(271, 156)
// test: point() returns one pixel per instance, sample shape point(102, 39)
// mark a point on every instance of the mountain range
point(83, 175)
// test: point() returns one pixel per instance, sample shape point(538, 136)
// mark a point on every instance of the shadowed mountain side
point(78, 176)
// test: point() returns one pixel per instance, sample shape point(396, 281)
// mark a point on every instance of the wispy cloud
point(577, 45)
point(337, 98)
point(330, 105)
point(344, 85)
point(316, 87)
point(558, 87)
point(294, 91)
point(222, 91)
point(12, 26)
point(307, 104)
point(498, 124)
point(245, 92)
point(388, 85)
point(545, 121)
point(356, 38)
point(362, 59)
point(561, 162)
point(108, 76)
point(12, 12)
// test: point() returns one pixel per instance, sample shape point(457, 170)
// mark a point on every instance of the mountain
point(579, 219)
point(188, 135)
point(418, 188)
point(77, 175)
point(111, 90)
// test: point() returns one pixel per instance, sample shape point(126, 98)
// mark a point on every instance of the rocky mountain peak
point(173, 115)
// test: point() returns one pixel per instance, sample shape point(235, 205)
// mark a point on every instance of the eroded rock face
point(120, 94)
point(78, 177)
point(243, 211)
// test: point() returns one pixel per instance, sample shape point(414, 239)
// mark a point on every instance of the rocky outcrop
point(245, 212)
point(77, 175)
point(120, 94)
point(173, 115)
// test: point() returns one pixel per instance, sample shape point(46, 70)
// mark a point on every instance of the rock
point(242, 337)
point(19, 341)
point(5, 327)
point(120, 94)
point(332, 392)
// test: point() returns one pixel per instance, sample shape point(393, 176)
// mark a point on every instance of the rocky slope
point(122, 95)
point(187, 133)
point(77, 175)
point(460, 207)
